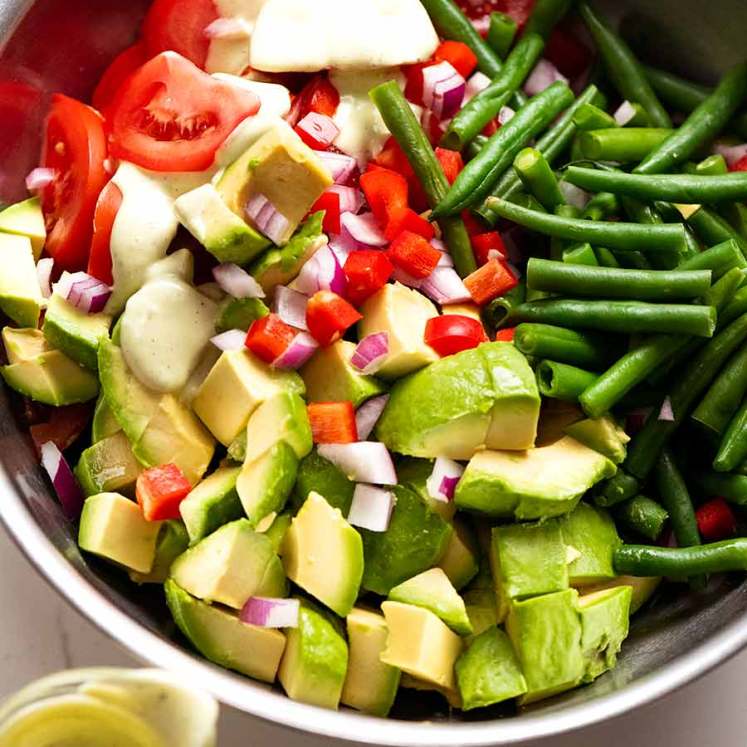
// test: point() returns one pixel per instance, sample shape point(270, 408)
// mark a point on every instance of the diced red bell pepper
point(491, 280)
point(452, 333)
point(330, 203)
point(413, 255)
point(269, 337)
point(319, 96)
point(333, 422)
point(491, 128)
point(740, 165)
point(328, 316)
point(367, 271)
point(317, 130)
point(63, 427)
point(451, 162)
point(505, 335)
point(461, 57)
point(716, 520)
point(473, 224)
point(485, 244)
point(408, 220)
point(567, 52)
point(386, 192)
point(160, 490)
point(414, 81)
point(392, 157)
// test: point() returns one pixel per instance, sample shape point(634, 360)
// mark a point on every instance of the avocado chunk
point(221, 637)
point(109, 466)
point(591, 533)
point(26, 219)
point(413, 474)
point(481, 608)
point(414, 542)
point(642, 588)
point(239, 313)
point(172, 542)
point(277, 530)
point(223, 233)
point(113, 527)
point(330, 377)
point(20, 295)
point(460, 559)
point(323, 555)
point(451, 694)
point(316, 659)
point(23, 344)
point(433, 591)
point(546, 635)
point(535, 484)
point(229, 566)
point(280, 166)
point(319, 475)
point(420, 644)
point(74, 332)
point(488, 671)
point(104, 423)
point(237, 384)
point(602, 434)
point(402, 313)
point(211, 504)
point(604, 626)
point(370, 684)
point(484, 397)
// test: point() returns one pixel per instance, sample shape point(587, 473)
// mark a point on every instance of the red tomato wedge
point(179, 26)
point(107, 207)
point(124, 65)
point(453, 333)
point(171, 116)
point(75, 147)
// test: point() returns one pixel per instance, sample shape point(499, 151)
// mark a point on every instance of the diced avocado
point(230, 565)
point(546, 635)
point(481, 608)
point(330, 377)
point(74, 332)
point(460, 559)
point(238, 383)
point(113, 527)
point(221, 637)
point(24, 344)
point(223, 233)
point(315, 663)
point(323, 555)
point(237, 448)
point(642, 588)
point(420, 644)
point(26, 219)
point(211, 504)
point(280, 166)
point(535, 484)
point(277, 530)
point(602, 434)
point(482, 397)
point(413, 474)
point(104, 423)
point(488, 671)
point(370, 684)
point(172, 542)
point(282, 417)
point(239, 313)
point(20, 295)
point(471, 310)
point(591, 532)
point(402, 313)
point(319, 475)
point(109, 466)
point(279, 265)
point(414, 542)
point(433, 591)
point(451, 694)
point(265, 484)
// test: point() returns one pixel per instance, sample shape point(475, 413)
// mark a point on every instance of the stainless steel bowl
point(64, 45)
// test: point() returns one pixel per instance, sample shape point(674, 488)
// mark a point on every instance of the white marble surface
point(40, 634)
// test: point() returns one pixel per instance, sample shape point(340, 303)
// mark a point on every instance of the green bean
point(496, 311)
point(580, 349)
point(719, 259)
point(561, 381)
point(581, 254)
point(625, 237)
point(735, 308)
point(640, 117)
point(712, 229)
point(714, 165)
point(527, 202)
point(717, 484)
point(736, 215)
point(481, 173)
point(476, 146)
point(605, 258)
point(647, 444)
point(623, 68)
point(617, 489)
point(676, 500)
point(643, 516)
point(399, 118)
point(622, 144)
point(601, 206)
point(732, 450)
point(501, 33)
point(590, 117)
point(538, 178)
point(545, 16)
point(716, 557)
point(606, 282)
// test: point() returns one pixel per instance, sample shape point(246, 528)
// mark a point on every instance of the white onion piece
point(63, 480)
point(40, 178)
point(444, 478)
point(228, 28)
point(624, 113)
point(266, 217)
point(371, 508)
point(236, 281)
point(322, 272)
point(364, 461)
point(574, 195)
point(320, 128)
point(371, 352)
point(361, 232)
point(85, 292)
point(443, 89)
point(268, 612)
point(368, 414)
point(340, 166)
point(231, 340)
point(351, 199)
point(444, 286)
point(44, 274)
point(475, 84)
point(666, 412)
point(505, 115)
point(290, 306)
point(732, 153)
point(542, 77)
point(301, 348)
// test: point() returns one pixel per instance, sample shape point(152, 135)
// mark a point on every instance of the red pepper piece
point(328, 316)
point(716, 520)
point(414, 255)
point(160, 490)
point(367, 271)
point(461, 57)
point(386, 192)
point(485, 243)
point(451, 162)
point(452, 333)
point(505, 335)
point(269, 337)
point(333, 422)
point(491, 280)
point(330, 203)
point(408, 220)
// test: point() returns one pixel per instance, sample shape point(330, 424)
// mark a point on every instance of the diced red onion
point(666, 412)
point(44, 274)
point(624, 113)
point(322, 272)
point(368, 414)
point(636, 419)
point(542, 77)
point(351, 199)
point(402, 277)
point(446, 259)
point(364, 461)
point(290, 306)
point(40, 178)
point(320, 128)
point(444, 286)
point(361, 232)
point(732, 153)
point(444, 478)
point(267, 612)
point(340, 166)
point(371, 352)
point(371, 508)
point(236, 281)
point(443, 89)
point(475, 84)
point(227, 28)
point(340, 251)
point(505, 115)
point(63, 480)
point(267, 218)
point(233, 339)
point(574, 195)
point(301, 348)
point(85, 292)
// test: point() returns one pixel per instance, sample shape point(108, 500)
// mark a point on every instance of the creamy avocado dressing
point(231, 54)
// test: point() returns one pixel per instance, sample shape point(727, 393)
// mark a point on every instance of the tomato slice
point(75, 147)
point(179, 26)
point(124, 64)
point(107, 207)
point(171, 116)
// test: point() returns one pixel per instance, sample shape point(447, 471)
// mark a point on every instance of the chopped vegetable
point(414, 255)
point(491, 280)
point(328, 316)
point(160, 491)
point(452, 333)
point(333, 422)
point(269, 337)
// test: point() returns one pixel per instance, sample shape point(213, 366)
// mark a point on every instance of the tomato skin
point(123, 65)
point(505, 335)
point(75, 147)
point(716, 520)
point(453, 333)
point(107, 207)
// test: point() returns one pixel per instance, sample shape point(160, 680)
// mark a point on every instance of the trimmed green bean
point(590, 117)
point(643, 516)
point(561, 381)
point(496, 311)
point(714, 165)
point(712, 229)
point(581, 254)
point(580, 349)
point(676, 500)
point(640, 117)
point(601, 206)
point(538, 178)
point(622, 144)
point(545, 16)
point(605, 258)
point(501, 33)
point(732, 450)
point(617, 489)
point(648, 560)
point(719, 259)
point(476, 146)
point(718, 484)
point(735, 308)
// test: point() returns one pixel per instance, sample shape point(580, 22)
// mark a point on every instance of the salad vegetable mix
point(402, 344)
